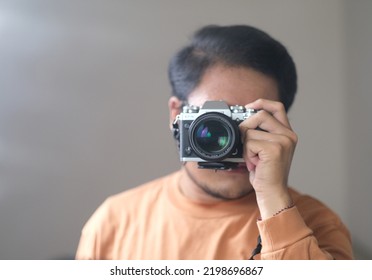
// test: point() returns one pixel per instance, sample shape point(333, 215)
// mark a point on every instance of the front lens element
point(211, 136)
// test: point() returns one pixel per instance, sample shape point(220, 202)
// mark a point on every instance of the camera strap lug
point(176, 129)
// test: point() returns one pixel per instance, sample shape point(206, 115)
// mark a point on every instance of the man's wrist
point(274, 204)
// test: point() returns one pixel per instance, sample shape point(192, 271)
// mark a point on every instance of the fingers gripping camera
point(210, 134)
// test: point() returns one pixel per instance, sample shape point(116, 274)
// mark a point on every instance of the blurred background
point(83, 106)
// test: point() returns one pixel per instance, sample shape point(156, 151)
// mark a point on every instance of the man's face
point(235, 86)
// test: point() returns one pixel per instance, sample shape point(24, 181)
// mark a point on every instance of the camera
point(210, 134)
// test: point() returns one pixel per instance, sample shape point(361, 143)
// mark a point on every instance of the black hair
point(232, 46)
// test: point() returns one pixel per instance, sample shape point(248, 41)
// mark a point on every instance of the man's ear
point(175, 107)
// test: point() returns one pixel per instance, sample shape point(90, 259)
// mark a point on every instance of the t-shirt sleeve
point(320, 236)
point(87, 245)
point(96, 235)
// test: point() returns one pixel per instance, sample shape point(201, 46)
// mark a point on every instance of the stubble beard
point(213, 191)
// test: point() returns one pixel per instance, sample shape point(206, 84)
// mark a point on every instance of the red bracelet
point(285, 208)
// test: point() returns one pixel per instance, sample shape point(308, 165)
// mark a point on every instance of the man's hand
point(268, 154)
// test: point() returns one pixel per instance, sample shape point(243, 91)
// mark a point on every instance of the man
point(218, 214)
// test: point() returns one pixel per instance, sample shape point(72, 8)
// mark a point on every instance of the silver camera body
point(210, 134)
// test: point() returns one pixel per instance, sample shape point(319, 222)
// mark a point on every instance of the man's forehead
point(235, 86)
point(231, 100)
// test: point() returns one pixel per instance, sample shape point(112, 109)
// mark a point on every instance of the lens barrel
point(213, 136)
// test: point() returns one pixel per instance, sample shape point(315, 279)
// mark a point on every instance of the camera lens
point(213, 136)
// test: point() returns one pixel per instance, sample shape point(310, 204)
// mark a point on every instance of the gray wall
point(358, 83)
point(83, 106)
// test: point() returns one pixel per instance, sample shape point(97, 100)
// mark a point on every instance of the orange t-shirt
point(155, 221)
